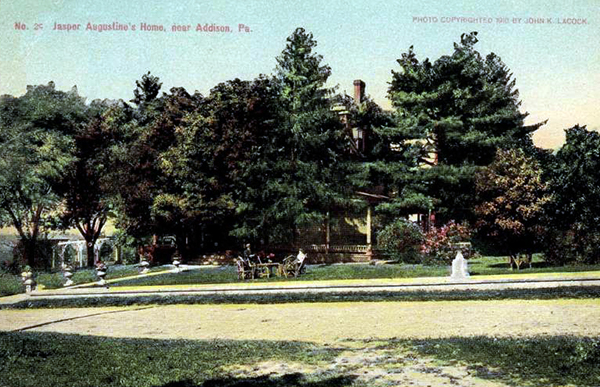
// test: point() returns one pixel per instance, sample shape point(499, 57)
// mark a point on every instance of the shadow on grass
point(55, 359)
point(534, 362)
point(534, 265)
point(294, 379)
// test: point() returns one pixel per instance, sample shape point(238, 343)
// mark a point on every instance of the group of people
point(250, 258)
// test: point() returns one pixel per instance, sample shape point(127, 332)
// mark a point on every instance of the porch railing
point(353, 249)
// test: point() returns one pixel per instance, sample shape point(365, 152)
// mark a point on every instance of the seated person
point(247, 252)
point(300, 257)
point(249, 257)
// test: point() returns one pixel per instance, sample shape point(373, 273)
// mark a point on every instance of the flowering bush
point(440, 242)
point(401, 240)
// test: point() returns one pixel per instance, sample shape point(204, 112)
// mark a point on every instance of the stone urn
point(101, 273)
point(27, 277)
point(176, 261)
point(67, 273)
point(144, 264)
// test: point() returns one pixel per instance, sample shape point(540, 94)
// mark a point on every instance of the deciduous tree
point(37, 149)
point(512, 197)
point(573, 222)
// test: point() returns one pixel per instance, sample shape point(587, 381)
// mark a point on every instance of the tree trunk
point(182, 247)
point(90, 231)
point(29, 253)
point(89, 246)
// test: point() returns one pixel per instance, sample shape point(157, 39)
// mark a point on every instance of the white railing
point(338, 248)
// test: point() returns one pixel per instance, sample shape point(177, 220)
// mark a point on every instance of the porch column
point(369, 239)
point(327, 233)
point(117, 252)
point(80, 248)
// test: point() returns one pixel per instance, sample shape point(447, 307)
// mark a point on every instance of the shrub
point(10, 284)
point(401, 240)
point(84, 276)
point(43, 253)
point(129, 247)
point(440, 245)
point(50, 280)
point(10, 266)
point(577, 245)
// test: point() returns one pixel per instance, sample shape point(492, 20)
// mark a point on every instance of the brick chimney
point(359, 90)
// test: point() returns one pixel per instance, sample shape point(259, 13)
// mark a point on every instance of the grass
point(227, 274)
point(478, 266)
point(56, 280)
point(541, 361)
point(52, 359)
point(12, 284)
point(575, 292)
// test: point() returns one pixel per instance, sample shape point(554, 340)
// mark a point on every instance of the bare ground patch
point(361, 332)
point(324, 323)
point(373, 366)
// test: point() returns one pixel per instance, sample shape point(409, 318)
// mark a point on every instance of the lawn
point(52, 359)
point(56, 279)
point(564, 292)
point(10, 284)
point(479, 266)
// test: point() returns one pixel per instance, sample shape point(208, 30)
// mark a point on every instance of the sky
point(556, 65)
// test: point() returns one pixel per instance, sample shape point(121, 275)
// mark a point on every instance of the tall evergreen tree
point(307, 157)
point(462, 107)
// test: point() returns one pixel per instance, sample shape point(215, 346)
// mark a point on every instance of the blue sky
point(556, 66)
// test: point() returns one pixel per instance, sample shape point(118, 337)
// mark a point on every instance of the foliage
point(440, 243)
point(512, 198)
point(574, 213)
point(306, 161)
point(10, 284)
point(215, 148)
point(128, 246)
point(86, 197)
point(457, 111)
point(146, 91)
point(36, 149)
point(575, 245)
point(53, 280)
point(401, 240)
point(8, 263)
point(142, 192)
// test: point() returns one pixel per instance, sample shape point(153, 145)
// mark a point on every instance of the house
point(347, 236)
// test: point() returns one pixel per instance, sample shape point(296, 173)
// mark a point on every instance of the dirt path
point(321, 323)
point(333, 324)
